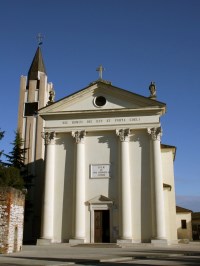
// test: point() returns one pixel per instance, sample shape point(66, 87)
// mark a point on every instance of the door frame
point(99, 207)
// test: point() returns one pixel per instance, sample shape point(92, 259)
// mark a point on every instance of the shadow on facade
point(144, 204)
point(68, 189)
point(34, 183)
point(113, 187)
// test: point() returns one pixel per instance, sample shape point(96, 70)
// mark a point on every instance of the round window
point(100, 101)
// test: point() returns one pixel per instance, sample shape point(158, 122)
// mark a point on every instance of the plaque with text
point(100, 171)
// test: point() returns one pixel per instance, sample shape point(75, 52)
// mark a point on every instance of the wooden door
point(101, 226)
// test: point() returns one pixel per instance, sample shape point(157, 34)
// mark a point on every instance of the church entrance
point(101, 226)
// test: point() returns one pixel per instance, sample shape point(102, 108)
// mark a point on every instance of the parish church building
point(96, 170)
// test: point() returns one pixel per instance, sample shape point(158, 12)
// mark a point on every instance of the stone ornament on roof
point(152, 88)
point(51, 96)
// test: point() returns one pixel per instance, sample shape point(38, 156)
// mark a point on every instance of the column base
point(159, 241)
point(43, 242)
point(76, 241)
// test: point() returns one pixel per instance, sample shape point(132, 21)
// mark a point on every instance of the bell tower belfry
point(35, 93)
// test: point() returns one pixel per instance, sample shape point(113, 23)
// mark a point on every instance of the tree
point(10, 173)
point(10, 176)
point(1, 136)
point(17, 156)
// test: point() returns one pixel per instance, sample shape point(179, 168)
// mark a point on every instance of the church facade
point(100, 173)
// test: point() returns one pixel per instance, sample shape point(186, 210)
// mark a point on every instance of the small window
point(100, 101)
point(183, 224)
point(30, 108)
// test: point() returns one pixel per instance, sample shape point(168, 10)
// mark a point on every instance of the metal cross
point(100, 69)
point(40, 38)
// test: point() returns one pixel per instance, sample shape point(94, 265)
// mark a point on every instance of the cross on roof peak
point(100, 69)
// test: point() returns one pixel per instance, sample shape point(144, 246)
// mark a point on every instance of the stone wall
point(11, 219)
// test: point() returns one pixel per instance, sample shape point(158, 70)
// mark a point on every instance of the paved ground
point(104, 255)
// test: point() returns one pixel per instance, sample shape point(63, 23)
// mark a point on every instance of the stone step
point(97, 245)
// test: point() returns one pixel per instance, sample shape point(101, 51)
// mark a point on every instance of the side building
point(184, 224)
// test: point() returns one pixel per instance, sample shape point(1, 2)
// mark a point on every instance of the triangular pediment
point(99, 200)
point(100, 96)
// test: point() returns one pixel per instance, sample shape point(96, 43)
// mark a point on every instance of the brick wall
point(11, 219)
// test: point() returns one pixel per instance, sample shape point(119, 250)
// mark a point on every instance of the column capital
point(123, 134)
point(155, 133)
point(79, 136)
point(49, 137)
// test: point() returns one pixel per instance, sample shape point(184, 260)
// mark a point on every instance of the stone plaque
point(100, 171)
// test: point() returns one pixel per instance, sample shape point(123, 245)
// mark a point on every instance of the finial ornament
point(40, 38)
point(100, 69)
point(152, 88)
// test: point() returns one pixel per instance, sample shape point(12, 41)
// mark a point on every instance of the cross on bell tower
point(40, 38)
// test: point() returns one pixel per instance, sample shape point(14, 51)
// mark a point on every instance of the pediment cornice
point(118, 100)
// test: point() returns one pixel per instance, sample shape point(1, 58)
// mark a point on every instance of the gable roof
point(118, 98)
point(180, 209)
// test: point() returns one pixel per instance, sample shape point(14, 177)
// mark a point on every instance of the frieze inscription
point(101, 121)
point(92, 122)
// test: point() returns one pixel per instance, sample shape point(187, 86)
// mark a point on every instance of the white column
point(48, 204)
point(160, 233)
point(126, 221)
point(79, 223)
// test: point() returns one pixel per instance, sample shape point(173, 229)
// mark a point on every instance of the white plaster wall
point(184, 233)
point(140, 186)
point(169, 195)
point(102, 148)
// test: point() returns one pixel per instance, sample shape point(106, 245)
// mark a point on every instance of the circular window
point(100, 101)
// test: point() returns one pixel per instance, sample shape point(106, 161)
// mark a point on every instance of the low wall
point(11, 219)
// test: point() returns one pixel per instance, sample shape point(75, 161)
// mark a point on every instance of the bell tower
point(35, 93)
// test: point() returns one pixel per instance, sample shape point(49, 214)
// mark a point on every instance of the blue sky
point(137, 41)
